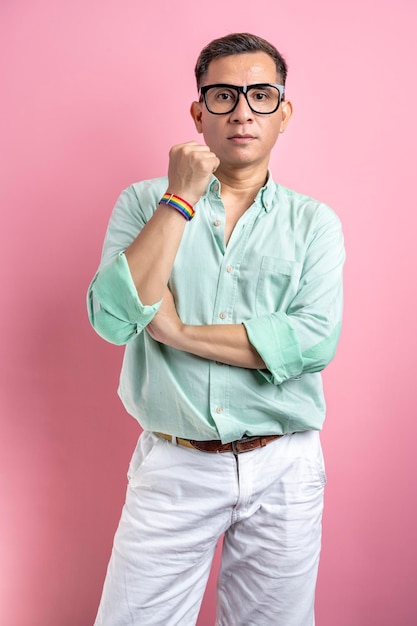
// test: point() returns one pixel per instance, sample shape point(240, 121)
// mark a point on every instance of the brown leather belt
point(214, 446)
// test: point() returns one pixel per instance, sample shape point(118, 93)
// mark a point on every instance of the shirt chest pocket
point(277, 284)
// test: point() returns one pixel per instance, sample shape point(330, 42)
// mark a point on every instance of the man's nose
point(242, 112)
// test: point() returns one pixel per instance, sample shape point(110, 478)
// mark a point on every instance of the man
point(228, 319)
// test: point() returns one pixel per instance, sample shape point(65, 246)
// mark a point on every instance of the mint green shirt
point(280, 275)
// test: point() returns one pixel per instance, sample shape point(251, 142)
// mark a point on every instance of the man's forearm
point(151, 256)
point(227, 344)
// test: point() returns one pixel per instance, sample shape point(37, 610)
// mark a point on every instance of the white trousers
point(267, 503)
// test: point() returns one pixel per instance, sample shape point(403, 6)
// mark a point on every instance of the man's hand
point(190, 167)
point(166, 325)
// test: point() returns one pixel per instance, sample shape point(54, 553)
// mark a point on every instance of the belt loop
point(174, 440)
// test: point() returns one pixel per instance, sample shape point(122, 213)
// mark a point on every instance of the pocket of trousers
point(321, 471)
point(313, 460)
point(144, 451)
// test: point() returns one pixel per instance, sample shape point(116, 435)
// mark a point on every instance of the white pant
point(268, 503)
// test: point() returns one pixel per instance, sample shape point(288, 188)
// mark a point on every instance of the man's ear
point(196, 111)
point(286, 114)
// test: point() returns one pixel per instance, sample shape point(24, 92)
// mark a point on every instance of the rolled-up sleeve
point(114, 307)
point(303, 338)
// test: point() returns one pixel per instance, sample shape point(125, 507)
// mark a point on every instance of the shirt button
point(229, 269)
point(217, 223)
point(222, 315)
point(219, 409)
point(215, 187)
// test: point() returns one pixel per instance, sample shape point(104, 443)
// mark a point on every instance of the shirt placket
point(224, 313)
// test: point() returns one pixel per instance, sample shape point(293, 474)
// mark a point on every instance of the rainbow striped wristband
point(179, 204)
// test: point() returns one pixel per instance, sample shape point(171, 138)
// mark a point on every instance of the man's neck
point(243, 183)
point(239, 190)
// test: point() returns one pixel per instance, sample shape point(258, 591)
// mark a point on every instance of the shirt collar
point(265, 195)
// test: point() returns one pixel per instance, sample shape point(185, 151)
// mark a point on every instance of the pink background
point(93, 94)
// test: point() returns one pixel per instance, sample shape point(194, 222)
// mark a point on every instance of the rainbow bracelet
point(179, 204)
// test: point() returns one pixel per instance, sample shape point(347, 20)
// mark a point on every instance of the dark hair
point(237, 43)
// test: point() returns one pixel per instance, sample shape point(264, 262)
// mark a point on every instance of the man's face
point(241, 138)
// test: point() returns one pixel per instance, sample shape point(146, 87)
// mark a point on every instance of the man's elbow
point(319, 356)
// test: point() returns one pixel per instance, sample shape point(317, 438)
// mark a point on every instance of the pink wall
point(93, 94)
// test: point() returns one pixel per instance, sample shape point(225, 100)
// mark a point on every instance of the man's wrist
point(186, 194)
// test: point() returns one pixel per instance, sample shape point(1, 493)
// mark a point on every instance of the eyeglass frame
point(243, 89)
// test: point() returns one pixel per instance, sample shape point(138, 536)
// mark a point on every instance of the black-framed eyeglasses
point(263, 98)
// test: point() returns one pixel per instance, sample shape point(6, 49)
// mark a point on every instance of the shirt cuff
point(115, 291)
point(276, 342)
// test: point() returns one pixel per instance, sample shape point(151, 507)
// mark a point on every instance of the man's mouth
point(244, 137)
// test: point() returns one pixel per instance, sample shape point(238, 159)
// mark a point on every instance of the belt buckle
point(234, 448)
point(235, 443)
